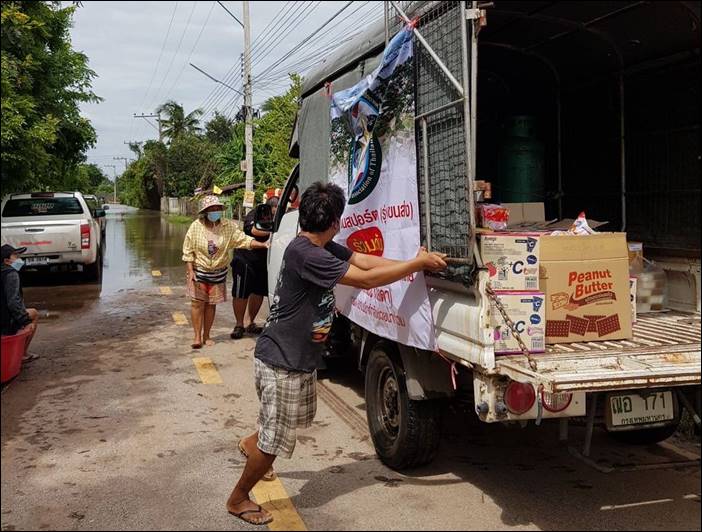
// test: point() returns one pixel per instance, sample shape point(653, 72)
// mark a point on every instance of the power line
point(192, 50)
point(158, 61)
point(170, 65)
point(286, 22)
point(227, 77)
point(308, 38)
point(290, 25)
point(231, 14)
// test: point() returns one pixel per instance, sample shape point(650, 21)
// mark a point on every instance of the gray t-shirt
point(302, 310)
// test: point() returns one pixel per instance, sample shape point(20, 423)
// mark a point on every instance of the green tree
point(271, 142)
point(43, 81)
point(220, 129)
point(176, 123)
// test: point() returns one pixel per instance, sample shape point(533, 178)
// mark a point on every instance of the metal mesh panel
point(445, 217)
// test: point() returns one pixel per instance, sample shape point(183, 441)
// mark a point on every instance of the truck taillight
point(556, 402)
point(84, 236)
point(519, 397)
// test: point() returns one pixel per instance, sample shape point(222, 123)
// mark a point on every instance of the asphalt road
point(119, 425)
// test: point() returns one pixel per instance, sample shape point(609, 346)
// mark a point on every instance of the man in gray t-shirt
point(289, 351)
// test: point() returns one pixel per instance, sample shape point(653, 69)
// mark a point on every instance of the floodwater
point(136, 243)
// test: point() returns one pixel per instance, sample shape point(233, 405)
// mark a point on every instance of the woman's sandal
point(196, 345)
point(241, 515)
point(269, 475)
point(254, 329)
point(237, 333)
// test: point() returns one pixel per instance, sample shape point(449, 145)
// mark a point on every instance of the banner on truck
point(373, 159)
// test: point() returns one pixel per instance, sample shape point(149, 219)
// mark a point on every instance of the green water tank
point(521, 163)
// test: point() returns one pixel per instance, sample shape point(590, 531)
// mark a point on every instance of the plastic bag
point(580, 227)
point(495, 217)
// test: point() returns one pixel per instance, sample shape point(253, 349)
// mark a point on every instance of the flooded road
point(136, 243)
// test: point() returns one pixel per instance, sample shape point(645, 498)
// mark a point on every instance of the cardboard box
point(526, 309)
point(512, 260)
point(586, 283)
point(532, 217)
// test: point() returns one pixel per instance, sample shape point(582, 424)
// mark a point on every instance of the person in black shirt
point(16, 318)
point(250, 277)
point(289, 351)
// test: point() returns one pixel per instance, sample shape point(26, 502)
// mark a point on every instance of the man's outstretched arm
point(389, 271)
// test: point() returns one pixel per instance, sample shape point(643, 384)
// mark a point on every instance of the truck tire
point(405, 433)
point(93, 272)
point(645, 436)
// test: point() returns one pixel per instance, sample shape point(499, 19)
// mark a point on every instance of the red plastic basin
point(13, 349)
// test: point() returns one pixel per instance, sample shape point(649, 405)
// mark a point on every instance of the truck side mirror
point(263, 218)
point(100, 213)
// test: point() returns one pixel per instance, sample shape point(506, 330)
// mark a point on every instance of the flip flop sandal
point(237, 333)
point(269, 475)
point(254, 329)
point(196, 346)
point(245, 512)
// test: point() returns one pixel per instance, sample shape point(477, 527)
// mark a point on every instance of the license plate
point(36, 261)
point(635, 409)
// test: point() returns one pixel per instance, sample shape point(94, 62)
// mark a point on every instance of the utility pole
point(136, 142)
point(158, 119)
point(114, 172)
point(248, 130)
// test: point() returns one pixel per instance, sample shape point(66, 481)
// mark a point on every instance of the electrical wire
point(175, 54)
point(282, 32)
point(192, 50)
point(228, 78)
point(158, 61)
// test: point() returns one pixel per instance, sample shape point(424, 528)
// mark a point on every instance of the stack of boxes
point(558, 288)
point(512, 260)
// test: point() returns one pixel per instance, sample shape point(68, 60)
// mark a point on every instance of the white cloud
point(123, 40)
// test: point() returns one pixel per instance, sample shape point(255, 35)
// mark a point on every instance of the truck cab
point(59, 229)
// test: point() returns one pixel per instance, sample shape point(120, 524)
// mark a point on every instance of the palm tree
point(176, 122)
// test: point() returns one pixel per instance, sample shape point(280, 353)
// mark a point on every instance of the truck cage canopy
point(618, 80)
point(579, 39)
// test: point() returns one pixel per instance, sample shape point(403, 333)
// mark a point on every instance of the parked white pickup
point(57, 228)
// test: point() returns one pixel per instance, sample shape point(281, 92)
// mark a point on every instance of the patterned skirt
point(207, 292)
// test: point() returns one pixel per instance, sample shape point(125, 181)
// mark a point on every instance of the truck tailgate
point(664, 351)
point(43, 236)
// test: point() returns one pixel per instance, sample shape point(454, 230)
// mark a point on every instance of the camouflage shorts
point(288, 402)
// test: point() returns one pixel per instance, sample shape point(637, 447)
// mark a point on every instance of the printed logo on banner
point(372, 157)
point(365, 154)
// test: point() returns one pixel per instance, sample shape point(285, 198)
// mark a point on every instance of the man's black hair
point(320, 207)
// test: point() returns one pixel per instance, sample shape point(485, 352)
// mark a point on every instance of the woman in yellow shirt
point(206, 254)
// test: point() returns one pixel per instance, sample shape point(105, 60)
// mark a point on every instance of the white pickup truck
point(603, 155)
point(57, 228)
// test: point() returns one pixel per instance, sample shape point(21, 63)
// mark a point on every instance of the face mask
point(214, 216)
point(17, 264)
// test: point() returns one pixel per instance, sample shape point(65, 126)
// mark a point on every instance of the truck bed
point(665, 351)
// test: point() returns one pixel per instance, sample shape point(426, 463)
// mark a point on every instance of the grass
point(178, 219)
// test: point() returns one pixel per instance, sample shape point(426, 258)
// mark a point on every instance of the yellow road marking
point(156, 273)
point(179, 318)
point(207, 370)
point(271, 495)
point(166, 290)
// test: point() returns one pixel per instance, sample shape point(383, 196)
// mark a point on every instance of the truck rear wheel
point(93, 272)
point(645, 436)
point(405, 433)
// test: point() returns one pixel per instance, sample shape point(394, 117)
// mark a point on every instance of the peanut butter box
point(585, 280)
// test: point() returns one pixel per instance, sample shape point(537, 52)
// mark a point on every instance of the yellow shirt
point(222, 237)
